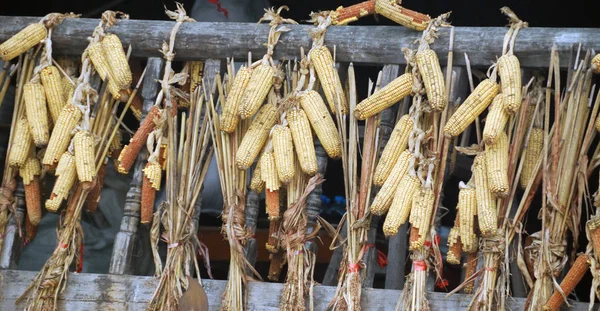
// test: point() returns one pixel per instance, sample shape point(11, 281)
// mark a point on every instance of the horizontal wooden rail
point(119, 292)
point(359, 44)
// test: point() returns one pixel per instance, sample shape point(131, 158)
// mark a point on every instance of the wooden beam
point(121, 292)
point(358, 44)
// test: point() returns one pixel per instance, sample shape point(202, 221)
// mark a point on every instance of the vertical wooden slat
point(121, 259)
point(13, 243)
point(252, 208)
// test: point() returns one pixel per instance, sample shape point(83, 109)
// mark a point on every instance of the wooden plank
point(119, 292)
point(358, 44)
point(121, 259)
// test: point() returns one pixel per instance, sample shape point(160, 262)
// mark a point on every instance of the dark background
point(578, 13)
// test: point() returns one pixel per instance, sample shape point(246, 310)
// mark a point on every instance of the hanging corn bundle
point(188, 157)
point(77, 168)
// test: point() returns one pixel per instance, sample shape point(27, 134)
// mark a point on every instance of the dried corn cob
point(472, 107)
point(68, 90)
point(433, 78)
point(344, 16)
point(66, 174)
point(136, 106)
point(400, 208)
point(21, 144)
point(150, 184)
point(272, 244)
point(30, 173)
point(394, 147)
point(61, 134)
point(454, 254)
point(256, 91)
point(383, 198)
point(421, 210)
point(30, 232)
point(115, 145)
point(593, 225)
point(277, 261)
point(535, 144)
point(269, 171)
point(497, 166)
point(596, 63)
point(467, 205)
point(117, 61)
point(330, 80)
point(229, 116)
point(22, 41)
point(93, 197)
point(486, 205)
point(385, 97)
point(85, 156)
point(471, 268)
point(53, 88)
point(130, 152)
point(414, 240)
point(196, 74)
point(405, 17)
point(322, 123)
point(256, 136)
point(37, 114)
point(573, 277)
point(256, 183)
point(99, 60)
point(283, 151)
point(303, 140)
point(510, 75)
point(272, 204)
point(495, 121)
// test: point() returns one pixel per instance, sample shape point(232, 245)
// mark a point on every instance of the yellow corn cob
point(22, 41)
point(486, 205)
point(421, 210)
point(196, 74)
point(96, 53)
point(37, 114)
point(117, 61)
point(83, 143)
point(400, 208)
point(269, 171)
point(229, 116)
point(322, 123)
point(68, 90)
point(467, 205)
point(256, 183)
point(66, 174)
point(495, 120)
point(454, 246)
point(384, 197)
point(61, 134)
point(405, 17)
point(21, 144)
point(535, 144)
point(472, 107)
point(510, 75)
point(596, 63)
point(303, 140)
point(385, 97)
point(53, 88)
point(255, 93)
point(256, 136)
point(30, 173)
point(330, 80)
point(283, 150)
point(497, 166)
point(394, 147)
point(433, 78)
